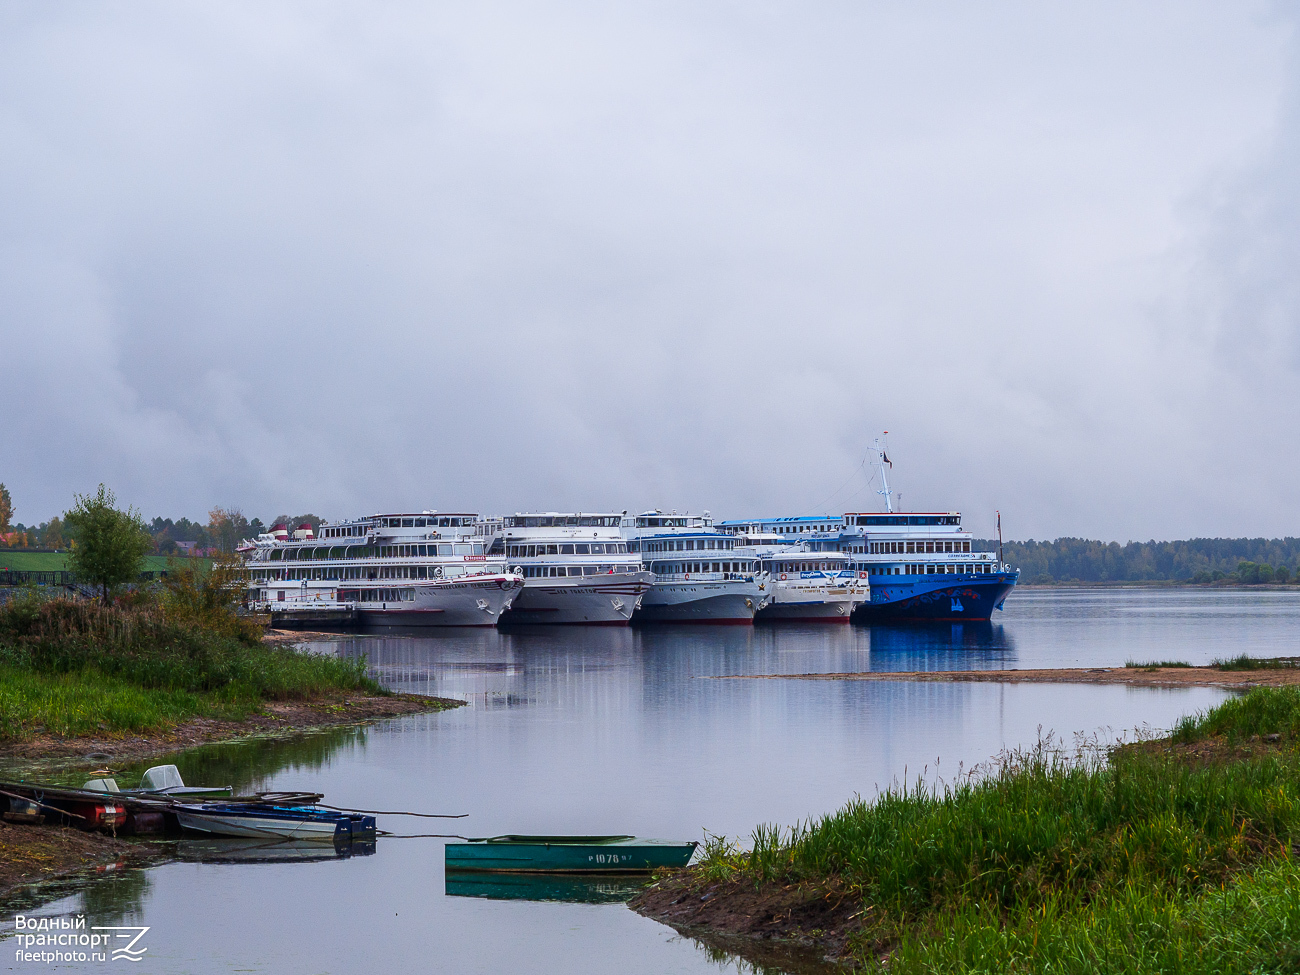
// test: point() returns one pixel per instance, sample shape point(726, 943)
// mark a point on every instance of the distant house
point(187, 547)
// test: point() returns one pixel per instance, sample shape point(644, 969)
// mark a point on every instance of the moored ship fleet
point(433, 568)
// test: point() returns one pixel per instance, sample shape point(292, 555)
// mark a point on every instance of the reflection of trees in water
point(113, 898)
point(117, 898)
point(247, 765)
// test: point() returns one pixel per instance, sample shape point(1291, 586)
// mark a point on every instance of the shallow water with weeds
point(589, 731)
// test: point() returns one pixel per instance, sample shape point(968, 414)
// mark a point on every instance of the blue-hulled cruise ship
point(920, 564)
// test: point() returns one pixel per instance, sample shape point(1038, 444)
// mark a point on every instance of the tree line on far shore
point(224, 529)
point(1241, 561)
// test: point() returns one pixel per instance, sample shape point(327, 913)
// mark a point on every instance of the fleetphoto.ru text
point(61, 940)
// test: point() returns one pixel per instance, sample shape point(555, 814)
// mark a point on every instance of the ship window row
point(679, 568)
point(919, 547)
point(576, 548)
point(328, 572)
point(563, 521)
point(687, 545)
point(801, 566)
point(359, 531)
point(376, 551)
point(376, 595)
point(866, 520)
point(559, 571)
point(952, 568)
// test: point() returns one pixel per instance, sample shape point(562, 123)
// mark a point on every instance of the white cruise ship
point(699, 577)
point(804, 586)
point(576, 567)
point(426, 569)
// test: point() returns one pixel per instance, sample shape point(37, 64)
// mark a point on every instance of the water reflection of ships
point(920, 564)
point(227, 849)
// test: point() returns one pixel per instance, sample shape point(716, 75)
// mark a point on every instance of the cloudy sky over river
point(344, 257)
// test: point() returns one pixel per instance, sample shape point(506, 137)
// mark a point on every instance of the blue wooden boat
point(516, 853)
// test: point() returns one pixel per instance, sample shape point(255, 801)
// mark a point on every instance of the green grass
point(87, 703)
point(137, 667)
point(1155, 664)
point(1246, 662)
point(1127, 862)
point(18, 560)
point(1246, 927)
point(1264, 711)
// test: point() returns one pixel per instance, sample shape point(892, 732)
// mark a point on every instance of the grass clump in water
point(1155, 664)
point(1246, 662)
point(152, 660)
point(1119, 862)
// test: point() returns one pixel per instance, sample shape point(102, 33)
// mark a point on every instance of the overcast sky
point(353, 257)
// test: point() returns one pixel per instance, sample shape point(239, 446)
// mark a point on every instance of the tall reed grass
point(1041, 861)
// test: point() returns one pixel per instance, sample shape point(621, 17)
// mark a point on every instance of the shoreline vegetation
point(166, 668)
point(86, 684)
point(1154, 856)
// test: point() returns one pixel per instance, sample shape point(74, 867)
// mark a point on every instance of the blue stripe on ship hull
point(936, 597)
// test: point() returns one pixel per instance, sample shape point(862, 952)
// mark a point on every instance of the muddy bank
point(799, 928)
point(280, 638)
point(271, 717)
point(1136, 676)
point(31, 854)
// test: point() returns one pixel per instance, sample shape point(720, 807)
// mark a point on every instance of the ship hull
point(722, 602)
point(812, 604)
point(595, 600)
point(936, 597)
point(462, 602)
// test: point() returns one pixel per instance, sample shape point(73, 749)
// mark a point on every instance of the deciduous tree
point(110, 544)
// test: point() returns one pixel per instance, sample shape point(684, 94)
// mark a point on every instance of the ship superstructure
point(425, 569)
point(921, 565)
point(576, 567)
point(699, 575)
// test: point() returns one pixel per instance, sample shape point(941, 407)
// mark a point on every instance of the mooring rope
point(389, 812)
point(420, 836)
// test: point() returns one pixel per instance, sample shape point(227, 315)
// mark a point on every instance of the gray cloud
point(349, 257)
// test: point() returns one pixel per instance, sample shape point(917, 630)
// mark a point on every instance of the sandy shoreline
point(1134, 676)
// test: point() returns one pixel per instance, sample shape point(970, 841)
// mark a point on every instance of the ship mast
point(884, 460)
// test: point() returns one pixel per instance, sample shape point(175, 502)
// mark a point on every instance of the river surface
point(572, 730)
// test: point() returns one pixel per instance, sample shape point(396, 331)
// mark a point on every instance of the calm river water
point(623, 731)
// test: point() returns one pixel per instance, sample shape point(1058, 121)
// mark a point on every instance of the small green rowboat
point(566, 854)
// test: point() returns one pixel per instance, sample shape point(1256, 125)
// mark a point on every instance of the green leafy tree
point(6, 508)
point(109, 544)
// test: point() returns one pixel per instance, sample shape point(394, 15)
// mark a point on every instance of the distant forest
point(1199, 560)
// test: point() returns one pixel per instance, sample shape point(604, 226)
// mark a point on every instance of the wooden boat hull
point(567, 855)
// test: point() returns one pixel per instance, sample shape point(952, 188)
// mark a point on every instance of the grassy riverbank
point(1168, 856)
point(73, 668)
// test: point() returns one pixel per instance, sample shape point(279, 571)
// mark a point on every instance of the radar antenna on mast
point(881, 446)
